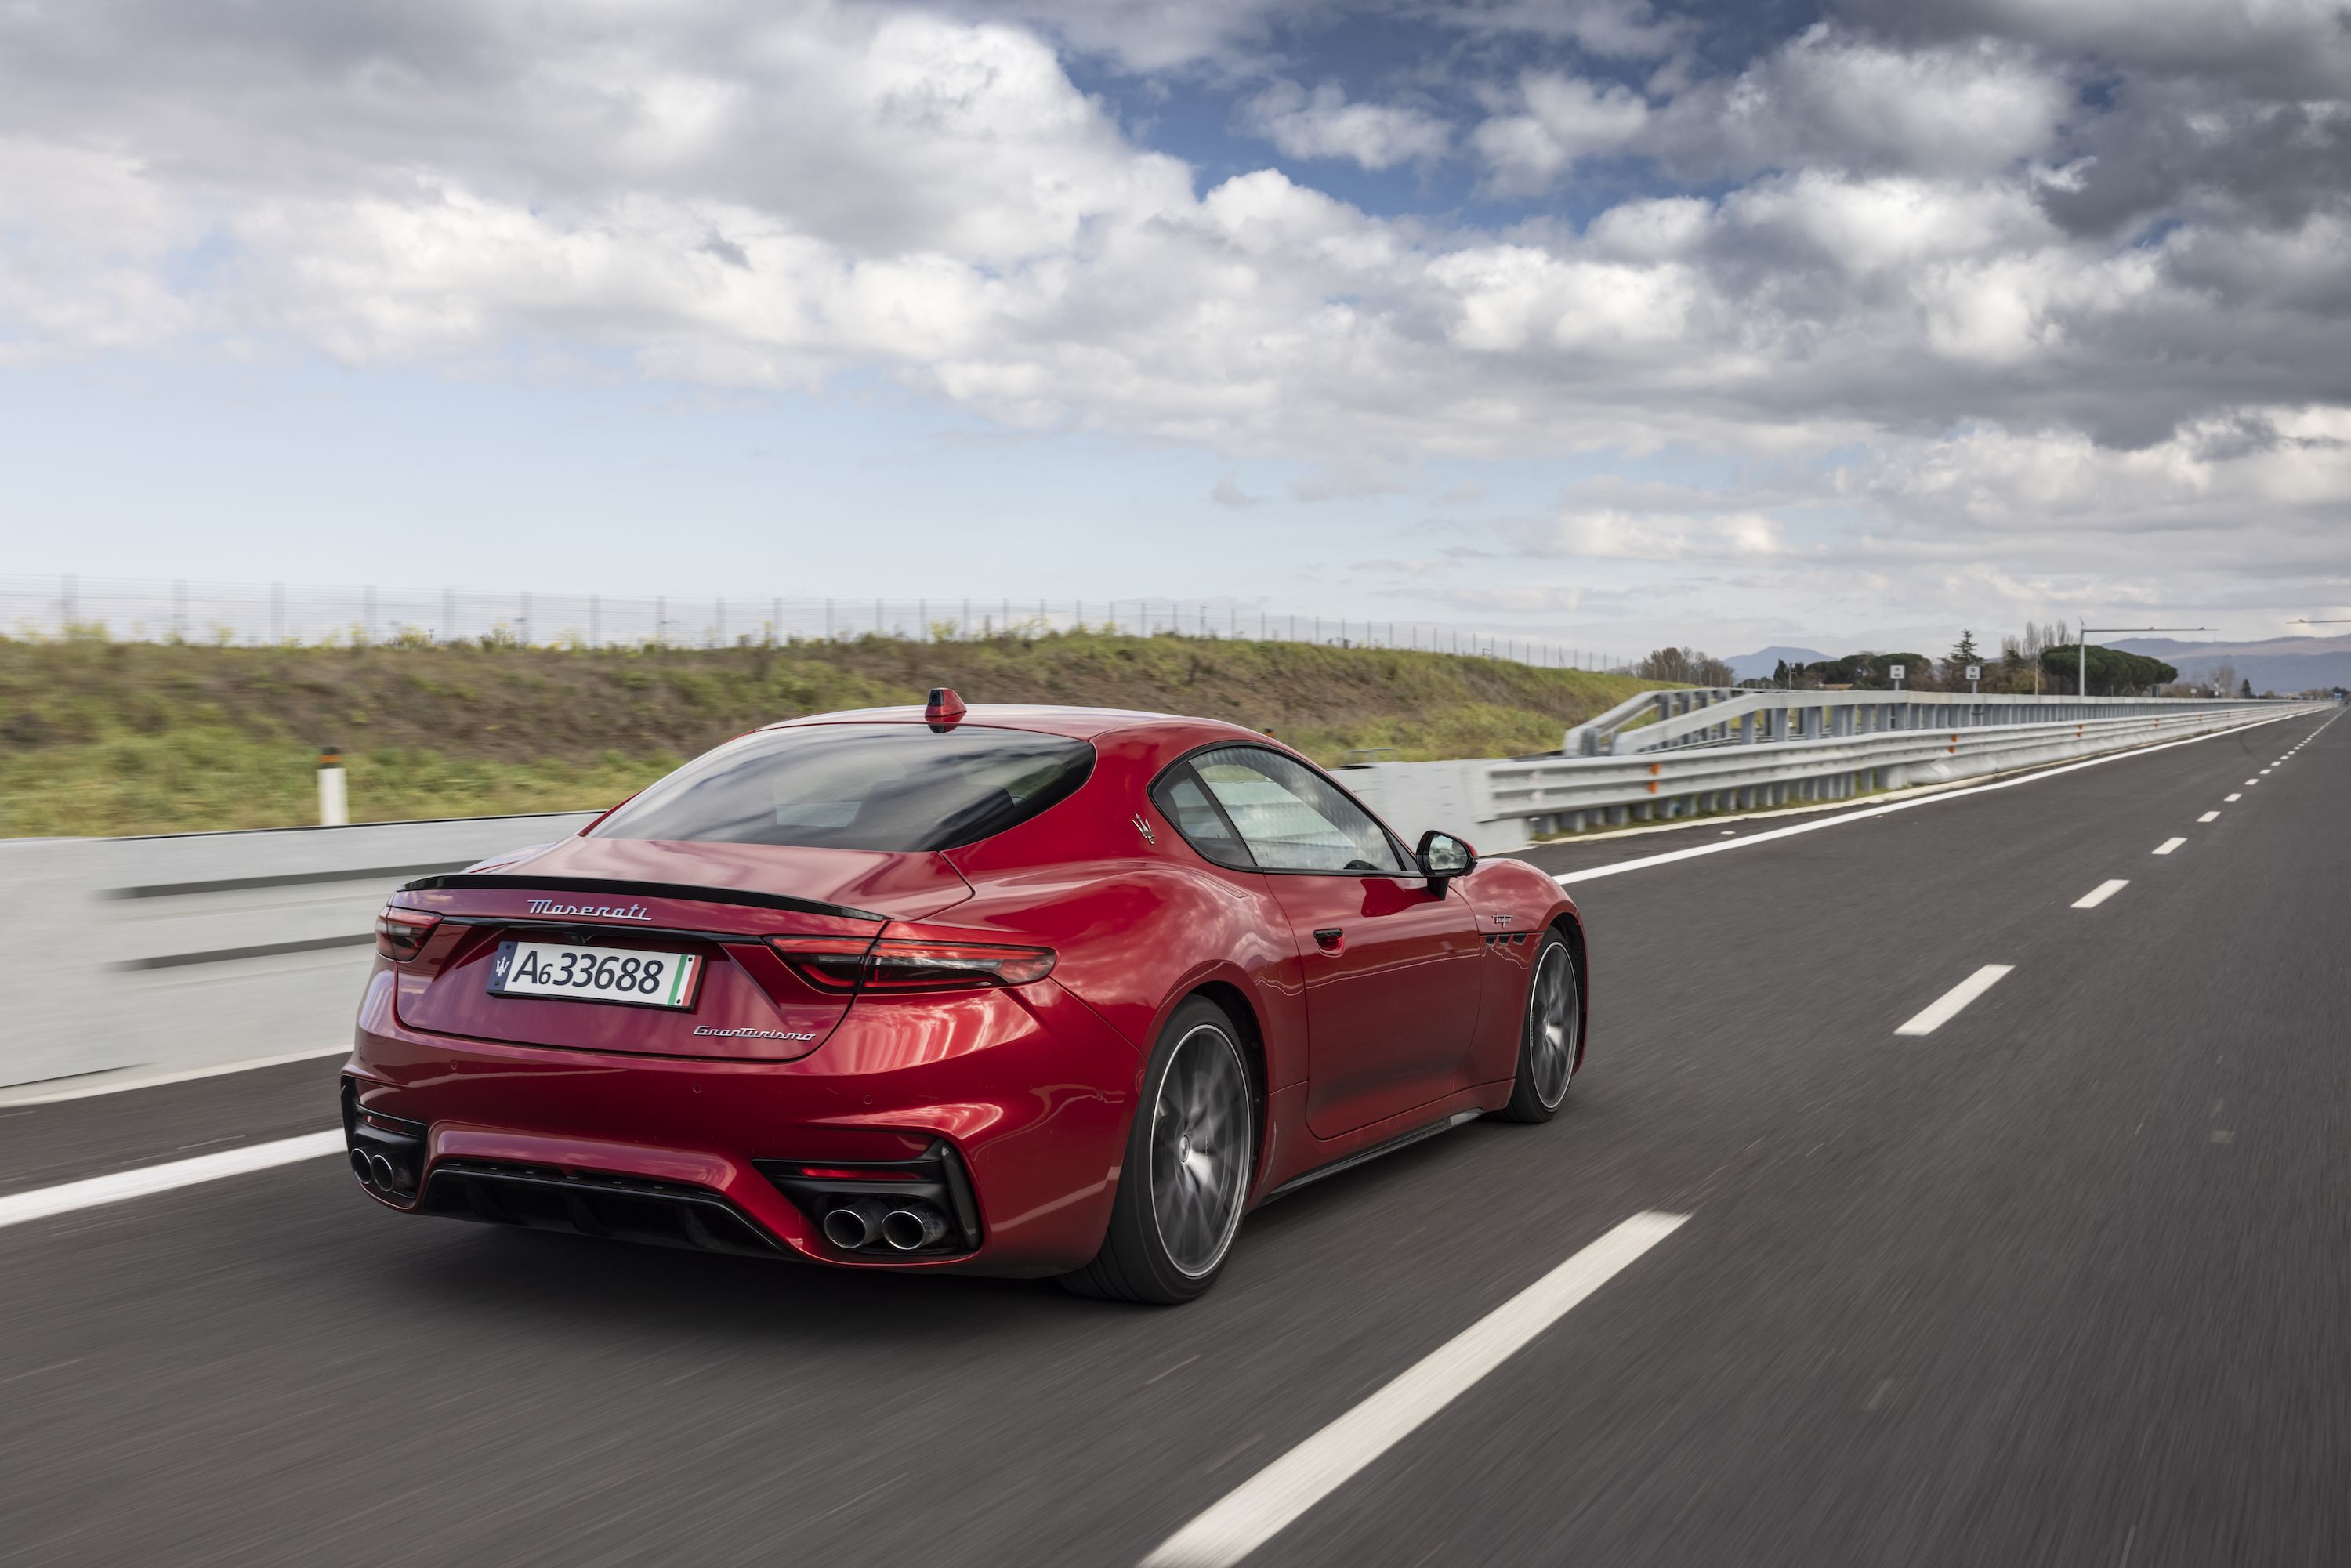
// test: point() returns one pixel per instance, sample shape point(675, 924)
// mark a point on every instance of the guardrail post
point(334, 808)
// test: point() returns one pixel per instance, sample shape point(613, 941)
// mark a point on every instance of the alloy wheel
point(1551, 1024)
point(1201, 1147)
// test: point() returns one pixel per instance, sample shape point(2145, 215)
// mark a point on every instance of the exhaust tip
point(381, 1169)
point(359, 1165)
point(849, 1227)
point(914, 1228)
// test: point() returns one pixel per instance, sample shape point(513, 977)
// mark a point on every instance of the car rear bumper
point(1015, 1103)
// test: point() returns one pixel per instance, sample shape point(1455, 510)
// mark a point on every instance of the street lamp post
point(2082, 670)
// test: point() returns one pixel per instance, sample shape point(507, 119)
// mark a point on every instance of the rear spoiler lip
point(458, 882)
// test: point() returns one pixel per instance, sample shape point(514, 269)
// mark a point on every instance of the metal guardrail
point(1714, 716)
point(1753, 750)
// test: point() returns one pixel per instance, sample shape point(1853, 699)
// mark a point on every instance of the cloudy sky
point(1603, 321)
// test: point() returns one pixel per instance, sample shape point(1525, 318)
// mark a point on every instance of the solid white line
point(1251, 1515)
point(17, 1208)
point(2167, 845)
point(1947, 1007)
point(2226, 799)
point(2100, 894)
point(2209, 817)
point(123, 1079)
point(1569, 878)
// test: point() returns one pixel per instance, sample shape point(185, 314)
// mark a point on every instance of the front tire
point(1189, 1157)
point(1552, 1035)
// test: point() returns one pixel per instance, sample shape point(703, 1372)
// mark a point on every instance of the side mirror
point(1441, 855)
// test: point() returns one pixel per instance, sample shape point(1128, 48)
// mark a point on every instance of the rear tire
point(1190, 1156)
point(1551, 1034)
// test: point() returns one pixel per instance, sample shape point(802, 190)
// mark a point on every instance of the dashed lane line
point(2209, 817)
point(1263, 1505)
point(2167, 845)
point(2100, 894)
point(1947, 1007)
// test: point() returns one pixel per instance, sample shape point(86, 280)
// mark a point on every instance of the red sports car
point(1018, 990)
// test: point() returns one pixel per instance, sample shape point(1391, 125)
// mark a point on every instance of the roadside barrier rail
point(1700, 715)
point(1755, 750)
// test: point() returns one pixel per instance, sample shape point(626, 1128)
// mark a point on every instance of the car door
point(1391, 960)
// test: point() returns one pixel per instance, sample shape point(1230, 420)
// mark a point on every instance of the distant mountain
point(2272, 664)
point(1758, 665)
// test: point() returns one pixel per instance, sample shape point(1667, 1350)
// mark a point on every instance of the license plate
point(567, 970)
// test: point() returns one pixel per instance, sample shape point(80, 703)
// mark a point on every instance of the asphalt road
point(2066, 1280)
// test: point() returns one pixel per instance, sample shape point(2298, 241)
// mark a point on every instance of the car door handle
point(1330, 940)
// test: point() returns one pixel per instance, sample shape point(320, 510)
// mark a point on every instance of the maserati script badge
point(609, 911)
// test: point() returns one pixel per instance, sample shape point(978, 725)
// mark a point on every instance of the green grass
point(100, 738)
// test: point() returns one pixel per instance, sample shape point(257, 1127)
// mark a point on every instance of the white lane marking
point(2209, 817)
point(1947, 1007)
point(52, 1091)
point(15, 1208)
point(1569, 878)
point(2100, 894)
point(2167, 845)
point(2251, 782)
point(1258, 1509)
point(2226, 799)
point(2265, 772)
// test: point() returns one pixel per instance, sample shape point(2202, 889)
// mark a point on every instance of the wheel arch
point(1569, 923)
point(1249, 1028)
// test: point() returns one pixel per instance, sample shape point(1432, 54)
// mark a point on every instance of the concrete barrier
point(160, 954)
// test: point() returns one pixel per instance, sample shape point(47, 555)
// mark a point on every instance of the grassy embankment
point(102, 737)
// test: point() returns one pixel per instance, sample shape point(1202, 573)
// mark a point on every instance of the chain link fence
point(271, 614)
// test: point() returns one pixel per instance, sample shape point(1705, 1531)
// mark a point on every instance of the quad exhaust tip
point(905, 1226)
point(914, 1226)
point(854, 1224)
point(376, 1170)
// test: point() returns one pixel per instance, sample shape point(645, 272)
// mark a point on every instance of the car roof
point(1077, 723)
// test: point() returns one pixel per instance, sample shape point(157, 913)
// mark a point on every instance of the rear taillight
point(910, 964)
point(399, 933)
point(828, 963)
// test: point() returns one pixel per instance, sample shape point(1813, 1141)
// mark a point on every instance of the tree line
point(2045, 660)
point(2042, 659)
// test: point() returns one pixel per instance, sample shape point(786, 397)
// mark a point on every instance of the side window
point(1184, 801)
point(1291, 818)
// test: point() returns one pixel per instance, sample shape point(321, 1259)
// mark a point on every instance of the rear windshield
point(859, 787)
